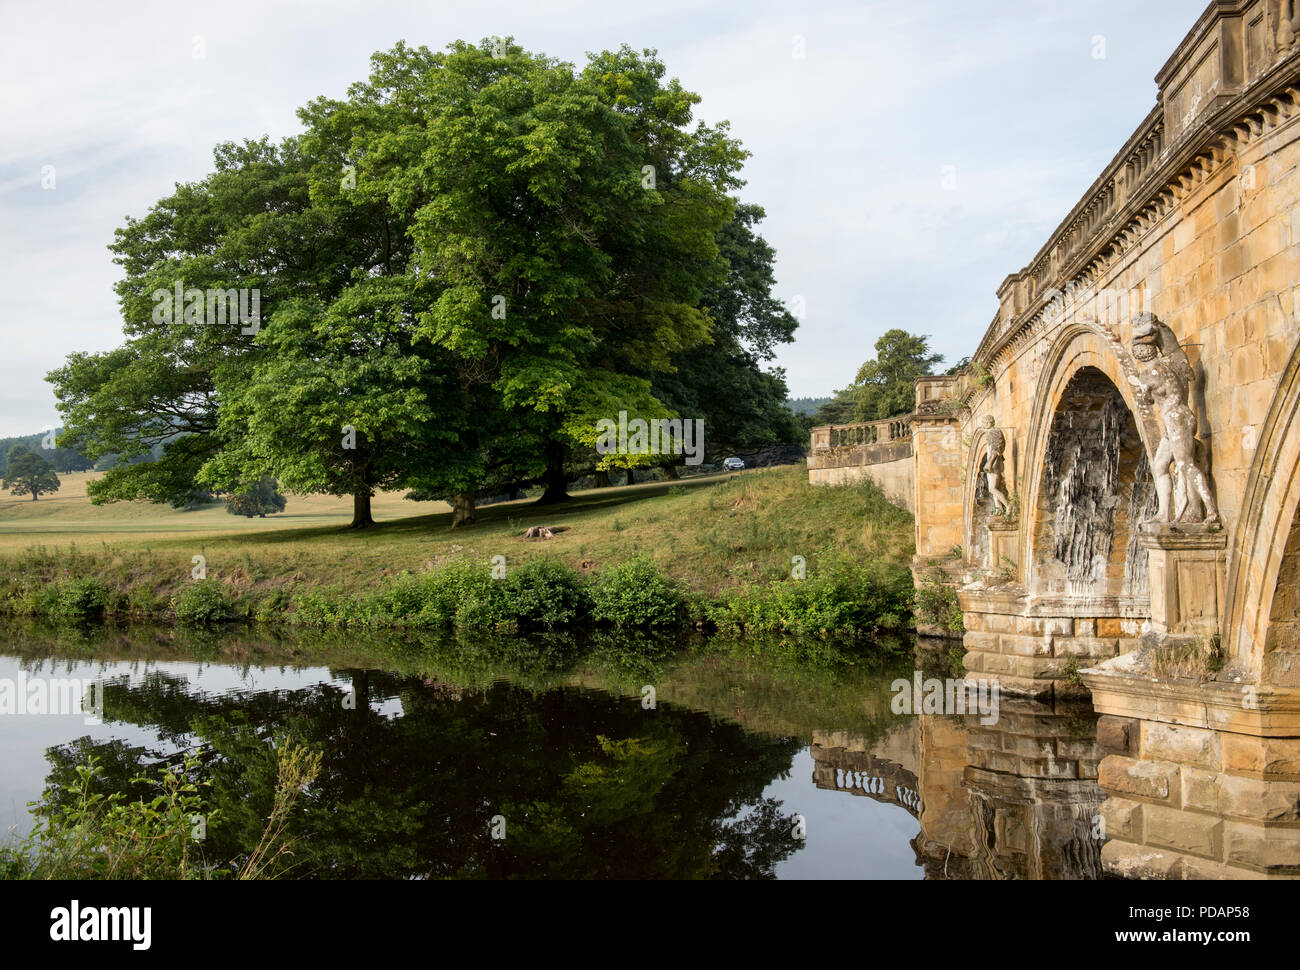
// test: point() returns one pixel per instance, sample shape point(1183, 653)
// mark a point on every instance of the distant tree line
point(62, 460)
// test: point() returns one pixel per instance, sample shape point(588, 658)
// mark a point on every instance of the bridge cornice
point(1136, 191)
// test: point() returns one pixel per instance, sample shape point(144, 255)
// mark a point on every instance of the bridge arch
point(1084, 388)
point(1258, 631)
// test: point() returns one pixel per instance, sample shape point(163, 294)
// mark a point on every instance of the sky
point(909, 155)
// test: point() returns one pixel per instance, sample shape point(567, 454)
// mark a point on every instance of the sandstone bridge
point(1111, 486)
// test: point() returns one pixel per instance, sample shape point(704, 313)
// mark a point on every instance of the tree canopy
point(886, 386)
point(461, 268)
point(262, 499)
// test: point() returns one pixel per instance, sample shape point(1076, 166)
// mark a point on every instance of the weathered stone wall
point(940, 472)
point(877, 451)
point(896, 478)
point(1195, 803)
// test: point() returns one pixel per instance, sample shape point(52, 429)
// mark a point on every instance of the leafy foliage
point(634, 593)
point(936, 602)
point(86, 834)
point(202, 601)
point(886, 386)
point(262, 499)
point(838, 597)
point(466, 263)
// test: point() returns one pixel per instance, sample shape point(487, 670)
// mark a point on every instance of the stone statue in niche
point(995, 466)
point(1162, 378)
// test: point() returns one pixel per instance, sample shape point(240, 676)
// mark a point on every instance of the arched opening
point(1095, 491)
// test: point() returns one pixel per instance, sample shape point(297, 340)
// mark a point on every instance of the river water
point(605, 756)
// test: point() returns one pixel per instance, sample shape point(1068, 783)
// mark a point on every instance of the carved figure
point(994, 467)
point(1162, 378)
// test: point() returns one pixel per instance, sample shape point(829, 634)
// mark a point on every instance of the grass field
point(712, 533)
point(67, 516)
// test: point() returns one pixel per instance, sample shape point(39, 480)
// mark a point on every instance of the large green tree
point(886, 386)
point(262, 499)
point(463, 265)
point(572, 219)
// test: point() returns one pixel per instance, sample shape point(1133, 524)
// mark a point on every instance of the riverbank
point(762, 551)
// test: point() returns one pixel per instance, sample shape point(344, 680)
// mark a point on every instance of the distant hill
point(806, 405)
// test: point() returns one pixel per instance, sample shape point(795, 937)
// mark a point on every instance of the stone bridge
point(1112, 485)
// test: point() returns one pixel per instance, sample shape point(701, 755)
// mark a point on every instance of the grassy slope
point(713, 532)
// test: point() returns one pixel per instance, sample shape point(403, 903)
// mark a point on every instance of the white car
point(733, 464)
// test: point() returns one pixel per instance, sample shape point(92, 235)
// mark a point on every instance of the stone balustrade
point(877, 450)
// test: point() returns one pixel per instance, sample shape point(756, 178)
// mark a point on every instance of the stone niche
point(1096, 489)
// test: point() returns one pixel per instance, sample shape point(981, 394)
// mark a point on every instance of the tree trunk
point(462, 506)
point(557, 487)
point(361, 517)
point(33, 496)
point(671, 472)
point(631, 476)
point(602, 478)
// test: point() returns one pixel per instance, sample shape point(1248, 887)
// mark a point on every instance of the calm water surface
point(755, 761)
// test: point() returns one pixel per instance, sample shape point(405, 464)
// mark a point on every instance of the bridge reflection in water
point(1017, 799)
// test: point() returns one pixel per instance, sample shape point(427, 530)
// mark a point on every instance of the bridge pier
point(1201, 779)
point(1039, 649)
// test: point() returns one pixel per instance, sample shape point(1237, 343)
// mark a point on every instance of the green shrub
point(473, 597)
point(635, 594)
point(546, 593)
point(71, 599)
point(141, 600)
point(320, 606)
point(460, 594)
point(95, 836)
point(936, 602)
point(273, 606)
point(839, 597)
point(202, 601)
